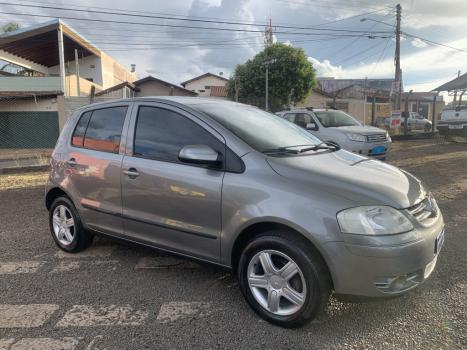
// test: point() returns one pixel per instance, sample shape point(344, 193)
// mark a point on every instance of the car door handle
point(132, 173)
point(71, 162)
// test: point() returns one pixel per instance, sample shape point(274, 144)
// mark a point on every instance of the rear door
point(166, 202)
point(93, 166)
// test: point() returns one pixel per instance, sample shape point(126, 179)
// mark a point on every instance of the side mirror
point(312, 126)
point(199, 154)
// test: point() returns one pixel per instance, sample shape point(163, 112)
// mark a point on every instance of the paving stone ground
point(116, 296)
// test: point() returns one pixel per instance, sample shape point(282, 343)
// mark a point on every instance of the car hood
point(361, 180)
point(361, 129)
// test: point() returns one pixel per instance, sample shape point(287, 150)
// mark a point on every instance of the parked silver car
point(340, 128)
point(233, 185)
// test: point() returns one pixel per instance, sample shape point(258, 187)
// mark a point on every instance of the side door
point(168, 203)
point(94, 166)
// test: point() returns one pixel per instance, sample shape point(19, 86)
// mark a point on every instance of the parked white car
point(416, 121)
point(340, 128)
point(453, 121)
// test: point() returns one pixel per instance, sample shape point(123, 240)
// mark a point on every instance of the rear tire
point(66, 226)
point(296, 286)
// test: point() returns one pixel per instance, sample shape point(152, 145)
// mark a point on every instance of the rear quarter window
point(101, 129)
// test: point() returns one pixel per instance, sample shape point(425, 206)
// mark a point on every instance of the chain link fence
point(29, 128)
point(30, 125)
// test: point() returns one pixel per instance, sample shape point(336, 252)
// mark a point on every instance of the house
point(208, 85)
point(365, 99)
point(151, 86)
point(48, 70)
point(148, 86)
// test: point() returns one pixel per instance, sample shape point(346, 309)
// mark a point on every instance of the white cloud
point(326, 69)
point(418, 43)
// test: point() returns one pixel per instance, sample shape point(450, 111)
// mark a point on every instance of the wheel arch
point(52, 194)
point(255, 229)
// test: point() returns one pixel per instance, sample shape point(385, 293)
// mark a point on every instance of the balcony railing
point(30, 84)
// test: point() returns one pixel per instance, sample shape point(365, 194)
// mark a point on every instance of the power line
point(330, 4)
point(175, 18)
point(356, 39)
point(431, 42)
point(169, 25)
point(360, 53)
point(388, 41)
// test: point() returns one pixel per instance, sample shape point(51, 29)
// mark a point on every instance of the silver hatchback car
point(230, 184)
point(342, 129)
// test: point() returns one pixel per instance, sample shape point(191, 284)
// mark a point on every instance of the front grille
point(424, 210)
point(376, 138)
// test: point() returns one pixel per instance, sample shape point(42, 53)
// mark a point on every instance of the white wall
point(200, 84)
point(85, 70)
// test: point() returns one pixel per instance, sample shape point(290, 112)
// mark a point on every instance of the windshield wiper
point(305, 148)
point(322, 145)
point(280, 150)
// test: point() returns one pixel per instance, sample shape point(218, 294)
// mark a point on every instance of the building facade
point(207, 85)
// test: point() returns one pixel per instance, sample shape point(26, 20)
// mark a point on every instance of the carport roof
point(39, 43)
point(459, 83)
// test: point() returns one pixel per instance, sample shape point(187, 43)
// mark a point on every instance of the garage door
point(28, 129)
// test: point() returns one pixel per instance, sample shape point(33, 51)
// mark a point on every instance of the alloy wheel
point(63, 225)
point(276, 282)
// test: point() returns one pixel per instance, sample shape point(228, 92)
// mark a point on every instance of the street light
point(267, 63)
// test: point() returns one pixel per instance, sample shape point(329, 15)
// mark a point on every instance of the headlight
point(357, 137)
point(388, 137)
point(373, 220)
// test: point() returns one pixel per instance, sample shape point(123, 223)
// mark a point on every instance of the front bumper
point(386, 266)
point(368, 149)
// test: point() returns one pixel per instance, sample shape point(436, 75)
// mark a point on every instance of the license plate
point(378, 150)
point(456, 126)
point(439, 242)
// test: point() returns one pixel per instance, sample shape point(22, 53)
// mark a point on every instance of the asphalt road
point(116, 296)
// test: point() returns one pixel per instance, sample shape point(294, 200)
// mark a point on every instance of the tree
point(291, 77)
point(10, 27)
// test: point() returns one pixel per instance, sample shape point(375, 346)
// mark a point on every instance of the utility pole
point(269, 34)
point(267, 63)
point(364, 101)
point(455, 92)
point(397, 59)
point(237, 87)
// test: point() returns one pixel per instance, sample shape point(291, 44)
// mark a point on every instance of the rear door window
point(161, 133)
point(104, 129)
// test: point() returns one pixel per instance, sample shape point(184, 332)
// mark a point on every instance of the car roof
point(178, 99)
point(308, 110)
point(173, 100)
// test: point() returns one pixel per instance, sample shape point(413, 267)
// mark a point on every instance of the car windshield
point(261, 130)
point(334, 118)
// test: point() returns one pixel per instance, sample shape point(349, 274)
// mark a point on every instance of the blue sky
point(177, 54)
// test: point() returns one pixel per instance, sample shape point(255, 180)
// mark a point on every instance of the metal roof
point(330, 85)
point(39, 43)
point(459, 83)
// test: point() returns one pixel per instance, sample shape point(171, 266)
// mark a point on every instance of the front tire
point(283, 279)
point(66, 227)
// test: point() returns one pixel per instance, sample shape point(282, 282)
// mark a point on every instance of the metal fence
point(30, 125)
point(29, 128)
